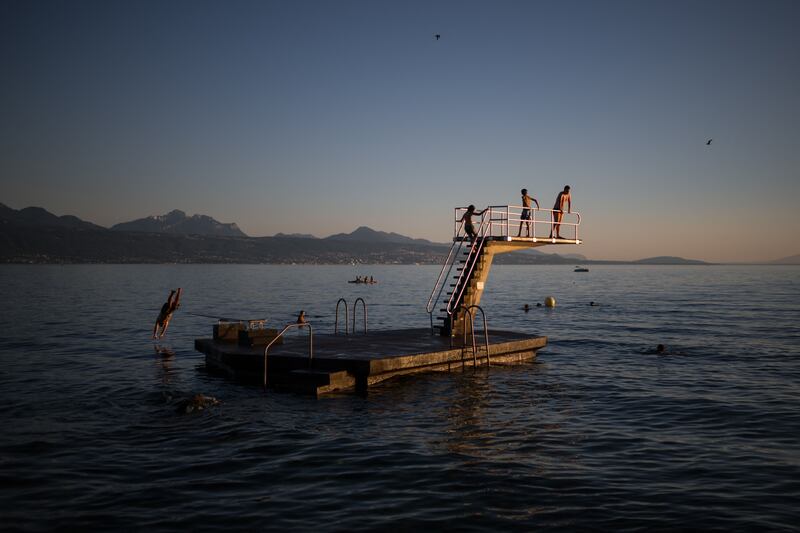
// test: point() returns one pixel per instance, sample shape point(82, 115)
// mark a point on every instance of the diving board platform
point(502, 229)
point(327, 363)
point(529, 241)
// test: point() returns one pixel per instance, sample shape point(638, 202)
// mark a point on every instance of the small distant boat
point(581, 269)
point(367, 281)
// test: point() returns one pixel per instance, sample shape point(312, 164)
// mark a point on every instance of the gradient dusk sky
point(322, 116)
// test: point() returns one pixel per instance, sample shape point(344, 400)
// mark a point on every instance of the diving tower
point(463, 277)
point(320, 363)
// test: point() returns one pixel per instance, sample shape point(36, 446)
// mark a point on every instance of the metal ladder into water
point(336, 322)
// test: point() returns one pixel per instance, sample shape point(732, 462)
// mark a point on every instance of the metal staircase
point(458, 280)
point(465, 270)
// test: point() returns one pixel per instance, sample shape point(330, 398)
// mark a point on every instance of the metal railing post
point(364, 307)
point(468, 314)
point(346, 317)
point(279, 335)
point(485, 331)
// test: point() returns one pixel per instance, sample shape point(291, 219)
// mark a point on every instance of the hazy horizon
point(561, 249)
point(319, 117)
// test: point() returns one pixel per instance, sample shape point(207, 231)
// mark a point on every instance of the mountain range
point(791, 260)
point(32, 217)
point(176, 221)
point(34, 235)
point(363, 233)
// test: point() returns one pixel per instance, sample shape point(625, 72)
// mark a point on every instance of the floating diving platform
point(356, 362)
point(319, 364)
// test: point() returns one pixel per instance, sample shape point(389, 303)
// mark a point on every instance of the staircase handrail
point(472, 259)
point(279, 335)
point(448, 267)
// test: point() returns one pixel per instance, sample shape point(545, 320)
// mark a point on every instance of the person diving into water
point(165, 315)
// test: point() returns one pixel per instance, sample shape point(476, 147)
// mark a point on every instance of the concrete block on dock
point(312, 381)
point(258, 337)
point(227, 331)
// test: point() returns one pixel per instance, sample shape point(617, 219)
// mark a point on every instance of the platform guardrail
point(507, 221)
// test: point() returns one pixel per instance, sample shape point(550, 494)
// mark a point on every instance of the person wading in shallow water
point(167, 310)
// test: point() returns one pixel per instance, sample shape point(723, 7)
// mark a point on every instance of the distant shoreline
point(35, 236)
point(319, 263)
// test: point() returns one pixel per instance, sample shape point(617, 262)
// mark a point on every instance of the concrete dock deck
point(358, 361)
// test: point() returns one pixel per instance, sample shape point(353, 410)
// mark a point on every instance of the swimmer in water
point(660, 349)
point(526, 308)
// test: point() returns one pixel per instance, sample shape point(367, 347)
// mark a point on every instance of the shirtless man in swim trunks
point(563, 198)
point(526, 213)
point(167, 310)
point(466, 218)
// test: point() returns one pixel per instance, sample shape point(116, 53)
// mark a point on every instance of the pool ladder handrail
point(364, 308)
point(279, 335)
point(346, 316)
point(468, 313)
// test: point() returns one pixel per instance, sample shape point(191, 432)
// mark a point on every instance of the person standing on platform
point(563, 199)
point(466, 218)
point(525, 216)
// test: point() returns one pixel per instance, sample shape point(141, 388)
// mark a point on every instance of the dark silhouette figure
point(525, 216)
point(564, 198)
point(466, 218)
point(165, 315)
point(437, 36)
point(708, 142)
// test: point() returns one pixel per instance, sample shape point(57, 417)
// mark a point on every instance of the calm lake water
point(598, 434)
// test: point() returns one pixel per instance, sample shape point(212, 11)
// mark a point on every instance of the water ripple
point(600, 433)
